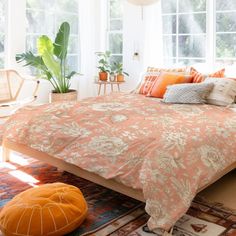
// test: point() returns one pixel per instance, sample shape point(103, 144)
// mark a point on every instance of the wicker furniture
point(11, 87)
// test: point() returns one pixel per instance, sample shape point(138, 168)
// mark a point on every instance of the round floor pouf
point(51, 209)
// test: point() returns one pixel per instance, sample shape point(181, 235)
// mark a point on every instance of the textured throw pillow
point(153, 69)
point(199, 77)
point(188, 93)
point(159, 87)
point(223, 93)
point(147, 82)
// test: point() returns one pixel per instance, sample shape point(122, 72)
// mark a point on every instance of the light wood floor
point(223, 191)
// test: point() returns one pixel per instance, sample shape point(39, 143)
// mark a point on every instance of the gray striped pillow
point(188, 93)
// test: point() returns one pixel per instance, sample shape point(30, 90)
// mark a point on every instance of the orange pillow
point(159, 88)
point(50, 209)
point(199, 77)
point(153, 69)
point(147, 83)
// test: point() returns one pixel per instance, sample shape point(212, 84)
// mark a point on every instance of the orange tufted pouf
point(51, 209)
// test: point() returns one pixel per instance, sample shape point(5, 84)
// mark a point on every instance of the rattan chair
point(11, 87)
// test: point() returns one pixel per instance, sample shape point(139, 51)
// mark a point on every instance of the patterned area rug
point(111, 213)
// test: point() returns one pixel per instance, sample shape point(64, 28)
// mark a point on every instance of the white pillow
point(223, 93)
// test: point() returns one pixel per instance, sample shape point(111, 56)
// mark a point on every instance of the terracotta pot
point(103, 76)
point(63, 97)
point(120, 78)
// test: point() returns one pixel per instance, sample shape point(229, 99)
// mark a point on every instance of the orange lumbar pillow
point(165, 79)
point(50, 209)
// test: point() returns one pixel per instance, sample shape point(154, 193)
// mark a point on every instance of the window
point(184, 31)
point(115, 26)
point(225, 31)
point(2, 31)
point(45, 17)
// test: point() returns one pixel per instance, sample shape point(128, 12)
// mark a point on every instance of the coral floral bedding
point(168, 151)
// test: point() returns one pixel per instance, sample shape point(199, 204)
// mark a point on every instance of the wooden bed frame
point(108, 183)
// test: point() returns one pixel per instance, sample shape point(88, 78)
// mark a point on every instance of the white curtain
point(89, 31)
point(153, 42)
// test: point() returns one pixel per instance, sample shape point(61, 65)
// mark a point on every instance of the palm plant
point(51, 61)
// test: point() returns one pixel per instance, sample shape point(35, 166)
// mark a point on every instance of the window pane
point(115, 9)
point(73, 62)
point(169, 44)
point(2, 31)
point(70, 6)
point(169, 6)
point(226, 22)
point(40, 4)
point(168, 62)
point(116, 24)
point(73, 47)
point(116, 59)
point(169, 24)
point(116, 43)
point(225, 45)
point(192, 23)
point(222, 5)
point(192, 46)
point(190, 61)
point(192, 5)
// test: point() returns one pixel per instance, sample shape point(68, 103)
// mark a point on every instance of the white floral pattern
point(168, 151)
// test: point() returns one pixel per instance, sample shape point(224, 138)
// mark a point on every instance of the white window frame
point(211, 33)
point(110, 32)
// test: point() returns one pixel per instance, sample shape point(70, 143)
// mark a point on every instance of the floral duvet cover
point(168, 151)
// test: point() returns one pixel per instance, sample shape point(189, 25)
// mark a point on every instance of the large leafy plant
point(51, 61)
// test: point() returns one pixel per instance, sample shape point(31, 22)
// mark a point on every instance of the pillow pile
point(177, 86)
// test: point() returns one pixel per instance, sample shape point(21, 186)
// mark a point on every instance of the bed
point(162, 154)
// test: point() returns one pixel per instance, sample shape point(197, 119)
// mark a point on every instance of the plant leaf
point(71, 75)
point(61, 41)
point(45, 50)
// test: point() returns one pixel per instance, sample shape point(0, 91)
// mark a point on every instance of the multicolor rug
point(111, 213)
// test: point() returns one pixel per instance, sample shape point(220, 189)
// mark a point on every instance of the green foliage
point(119, 69)
point(51, 59)
point(103, 62)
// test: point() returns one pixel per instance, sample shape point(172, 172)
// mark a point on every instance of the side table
point(105, 83)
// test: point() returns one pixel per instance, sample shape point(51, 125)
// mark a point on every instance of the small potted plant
point(104, 66)
point(120, 74)
point(51, 63)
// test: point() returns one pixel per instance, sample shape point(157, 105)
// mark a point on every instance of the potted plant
point(51, 63)
point(119, 72)
point(104, 66)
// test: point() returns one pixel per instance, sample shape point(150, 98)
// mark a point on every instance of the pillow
point(159, 87)
point(199, 77)
point(50, 209)
point(153, 69)
point(147, 82)
point(188, 93)
point(223, 93)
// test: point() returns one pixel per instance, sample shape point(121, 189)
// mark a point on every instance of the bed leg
point(5, 154)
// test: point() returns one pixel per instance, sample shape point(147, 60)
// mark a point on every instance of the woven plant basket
point(63, 97)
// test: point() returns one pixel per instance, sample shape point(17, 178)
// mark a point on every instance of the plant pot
point(103, 76)
point(63, 97)
point(112, 77)
point(120, 78)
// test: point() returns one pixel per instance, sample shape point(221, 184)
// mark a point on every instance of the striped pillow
point(153, 69)
point(199, 77)
point(147, 82)
point(188, 93)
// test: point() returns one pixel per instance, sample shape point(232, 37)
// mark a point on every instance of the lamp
point(142, 2)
